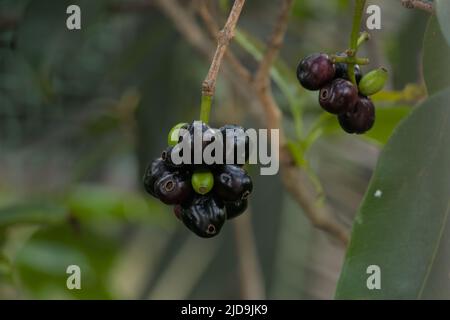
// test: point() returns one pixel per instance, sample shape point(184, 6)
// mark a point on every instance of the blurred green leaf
point(91, 202)
point(436, 60)
point(387, 119)
point(38, 212)
point(443, 13)
point(42, 262)
point(403, 225)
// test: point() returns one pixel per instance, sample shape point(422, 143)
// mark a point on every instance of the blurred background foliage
point(82, 112)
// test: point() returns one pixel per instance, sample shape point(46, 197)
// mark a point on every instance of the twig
point(418, 4)
point(275, 42)
point(295, 180)
point(213, 30)
point(227, 33)
point(250, 272)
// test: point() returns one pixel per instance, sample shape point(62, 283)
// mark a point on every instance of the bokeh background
point(83, 112)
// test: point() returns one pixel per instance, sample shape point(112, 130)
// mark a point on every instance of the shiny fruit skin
point(205, 216)
point(315, 71)
point(174, 188)
point(232, 183)
point(236, 208)
point(152, 173)
point(360, 119)
point(338, 97)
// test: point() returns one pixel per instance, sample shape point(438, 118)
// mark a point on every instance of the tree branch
point(213, 30)
point(224, 37)
point(294, 179)
point(419, 4)
point(275, 42)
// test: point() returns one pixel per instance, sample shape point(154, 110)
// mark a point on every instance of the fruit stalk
point(223, 39)
point(205, 108)
point(357, 18)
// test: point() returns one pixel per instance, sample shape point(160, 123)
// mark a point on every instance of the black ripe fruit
point(232, 183)
point(360, 119)
point(236, 144)
point(154, 172)
point(315, 71)
point(342, 72)
point(236, 208)
point(174, 188)
point(205, 216)
point(338, 96)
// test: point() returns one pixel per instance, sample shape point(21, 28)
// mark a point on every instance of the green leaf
point(39, 212)
point(402, 225)
point(387, 119)
point(443, 13)
point(436, 60)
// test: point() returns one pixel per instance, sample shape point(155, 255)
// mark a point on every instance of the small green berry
point(373, 82)
point(202, 181)
point(173, 137)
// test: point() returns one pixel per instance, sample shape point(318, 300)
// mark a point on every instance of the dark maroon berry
point(339, 96)
point(154, 172)
point(341, 72)
point(232, 183)
point(236, 208)
point(168, 157)
point(174, 188)
point(315, 71)
point(205, 217)
point(177, 211)
point(236, 145)
point(360, 119)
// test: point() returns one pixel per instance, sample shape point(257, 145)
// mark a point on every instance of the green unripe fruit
point(173, 137)
point(202, 181)
point(373, 82)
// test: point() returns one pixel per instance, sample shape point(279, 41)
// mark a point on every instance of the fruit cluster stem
point(223, 39)
point(205, 108)
point(354, 37)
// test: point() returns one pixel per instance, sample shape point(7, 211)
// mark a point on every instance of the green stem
point(205, 108)
point(350, 60)
point(363, 38)
point(357, 18)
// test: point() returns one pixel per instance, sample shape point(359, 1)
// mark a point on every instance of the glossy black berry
point(232, 183)
point(339, 96)
point(236, 145)
point(342, 72)
point(205, 216)
point(177, 211)
point(154, 172)
point(315, 71)
point(174, 188)
point(236, 208)
point(360, 119)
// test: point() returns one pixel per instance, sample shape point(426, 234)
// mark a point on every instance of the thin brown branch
point(275, 42)
point(419, 4)
point(294, 179)
point(185, 24)
point(213, 30)
point(251, 278)
point(227, 33)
